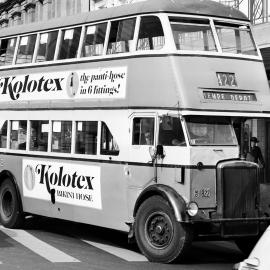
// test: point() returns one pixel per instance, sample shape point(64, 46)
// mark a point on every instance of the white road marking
point(39, 247)
point(122, 253)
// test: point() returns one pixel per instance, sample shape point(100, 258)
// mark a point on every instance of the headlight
point(192, 209)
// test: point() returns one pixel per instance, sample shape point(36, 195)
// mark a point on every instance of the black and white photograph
point(134, 134)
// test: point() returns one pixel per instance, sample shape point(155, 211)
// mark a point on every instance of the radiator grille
point(239, 188)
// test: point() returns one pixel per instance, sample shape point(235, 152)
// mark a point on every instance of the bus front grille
point(239, 191)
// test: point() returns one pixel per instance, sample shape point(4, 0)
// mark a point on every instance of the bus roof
point(193, 7)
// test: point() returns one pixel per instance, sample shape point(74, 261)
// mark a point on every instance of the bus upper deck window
point(61, 136)
point(121, 36)
point(18, 135)
point(69, 43)
point(192, 34)
point(3, 51)
point(39, 131)
point(26, 49)
point(7, 50)
point(86, 137)
point(94, 40)
point(109, 145)
point(151, 35)
point(236, 39)
point(46, 47)
point(171, 132)
point(3, 134)
point(143, 131)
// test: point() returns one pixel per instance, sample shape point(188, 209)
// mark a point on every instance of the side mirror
point(157, 153)
point(160, 151)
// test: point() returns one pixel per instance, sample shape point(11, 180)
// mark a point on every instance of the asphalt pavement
point(53, 244)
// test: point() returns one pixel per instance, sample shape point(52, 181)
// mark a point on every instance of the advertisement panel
point(71, 183)
point(100, 83)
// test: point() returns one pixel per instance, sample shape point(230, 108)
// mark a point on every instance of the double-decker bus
point(123, 118)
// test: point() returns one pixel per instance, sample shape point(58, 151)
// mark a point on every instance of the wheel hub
point(159, 230)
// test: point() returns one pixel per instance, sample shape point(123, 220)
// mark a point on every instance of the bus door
point(140, 172)
point(174, 155)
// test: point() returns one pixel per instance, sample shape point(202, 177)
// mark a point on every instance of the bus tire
point(246, 244)
point(159, 236)
point(11, 215)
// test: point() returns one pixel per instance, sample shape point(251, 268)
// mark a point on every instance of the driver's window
point(171, 132)
point(143, 131)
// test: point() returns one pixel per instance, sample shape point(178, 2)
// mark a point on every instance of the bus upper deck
point(114, 47)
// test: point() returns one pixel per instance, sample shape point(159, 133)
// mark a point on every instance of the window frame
point(168, 46)
point(49, 150)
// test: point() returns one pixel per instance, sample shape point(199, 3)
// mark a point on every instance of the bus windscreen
point(210, 131)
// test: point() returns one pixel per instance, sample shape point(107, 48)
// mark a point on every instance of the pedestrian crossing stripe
point(54, 255)
point(122, 253)
point(39, 247)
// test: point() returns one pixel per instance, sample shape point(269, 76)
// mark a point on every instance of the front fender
point(176, 202)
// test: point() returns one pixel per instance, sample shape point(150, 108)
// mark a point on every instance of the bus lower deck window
point(109, 145)
point(39, 135)
point(18, 135)
point(61, 136)
point(86, 137)
point(3, 134)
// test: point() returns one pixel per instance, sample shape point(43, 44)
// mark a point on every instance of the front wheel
point(159, 236)
point(11, 215)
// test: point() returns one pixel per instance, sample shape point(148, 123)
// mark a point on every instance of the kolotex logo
point(16, 86)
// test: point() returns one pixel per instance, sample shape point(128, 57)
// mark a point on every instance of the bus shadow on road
point(205, 252)
point(213, 252)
